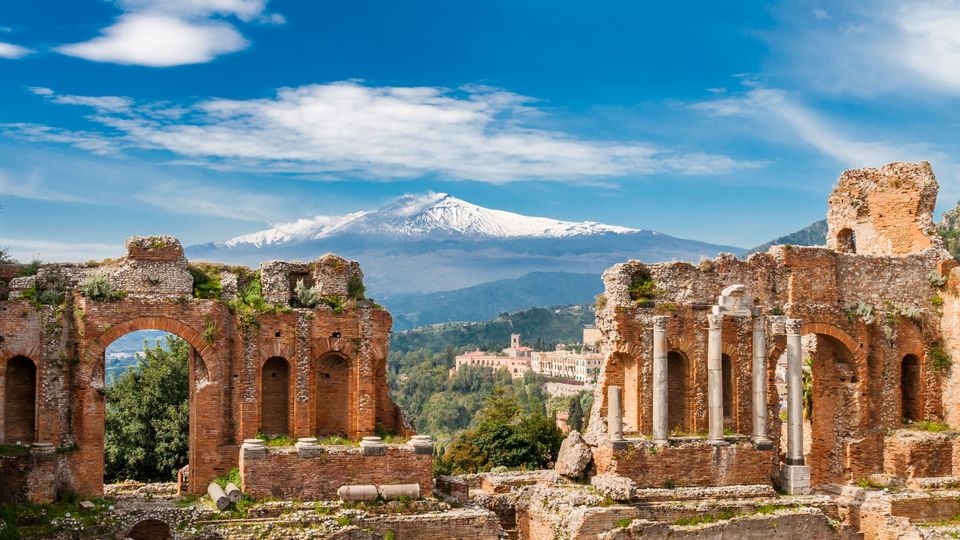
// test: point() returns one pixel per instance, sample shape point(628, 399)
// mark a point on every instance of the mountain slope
point(436, 242)
point(814, 234)
point(487, 300)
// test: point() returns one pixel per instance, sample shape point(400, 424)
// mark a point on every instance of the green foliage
point(308, 297)
point(704, 519)
point(338, 440)
point(643, 290)
point(344, 521)
point(575, 412)
point(806, 374)
point(5, 257)
point(936, 279)
point(355, 288)
point(14, 450)
point(932, 426)
point(623, 523)
point(939, 358)
point(209, 331)
point(61, 519)
point(99, 287)
point(250, 302)
point(389, 535)
point(206, 281)
point(275, 440)
point(30, 269)
point(503, 438)
point(936, 300)
point(335, 303)
point(146, 417)
point(232, 477)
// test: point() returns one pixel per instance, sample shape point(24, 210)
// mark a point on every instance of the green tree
point(575, 420)
point(147, 413)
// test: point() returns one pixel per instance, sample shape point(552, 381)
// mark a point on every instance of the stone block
point(574, 457)
point(795, 479)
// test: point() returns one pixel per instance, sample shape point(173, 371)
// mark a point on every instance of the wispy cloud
point(346, 129)
point(26, 250)
point(11, 51)
point(32, 186)
point(192, 198)
point(165, 33)
point(100, 103)
point(90, 141)
point(866, 48)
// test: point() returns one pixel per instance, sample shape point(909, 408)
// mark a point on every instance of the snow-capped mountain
point(435, 242)
point(430, 215)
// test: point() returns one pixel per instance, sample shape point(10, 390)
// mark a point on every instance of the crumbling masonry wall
point(865, 311)
point(46, 318)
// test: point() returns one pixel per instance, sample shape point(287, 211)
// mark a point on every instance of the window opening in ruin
point(147, 423)
point(150, 529)
point(727, 370)
point(20, 401)
point(332, 395)
point(847, 241)
point(678, 368)
point(910, 388)
point(275, 397)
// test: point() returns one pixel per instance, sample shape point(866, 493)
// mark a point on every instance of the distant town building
point(563, 363)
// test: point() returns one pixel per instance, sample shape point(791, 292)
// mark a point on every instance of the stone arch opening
point(631, 393)
point(834, 404)
point(150, 529)
point(20, 400)
point(332, 394)
point(846, 241)
point(727, 377)
point(678, 372)
point(275, 396)
point(910, 388)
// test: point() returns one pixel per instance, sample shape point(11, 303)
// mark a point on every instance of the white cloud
point(191, 198)
point(84, 140)
point(101, 103)
point(867, 48)
point(33, 187)
point(159, 41)
point(26, 250)
point(13, 52)
point(165, 33)
point(346, 129)
point(820, 13)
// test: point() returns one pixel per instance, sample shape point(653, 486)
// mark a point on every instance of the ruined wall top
point(885, 211)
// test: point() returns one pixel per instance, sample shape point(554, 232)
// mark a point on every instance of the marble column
point(715, 377)
point(794, 393)
point(759, 368)
point(794, 475)
point(660, 384)
point(615, 417)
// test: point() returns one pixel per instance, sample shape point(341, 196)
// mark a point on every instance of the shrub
point(308, 297)
point(206, 282)
point(939, 358)
point(936, 279)
point(99, 287)
point(356, 288)
point(643, 289)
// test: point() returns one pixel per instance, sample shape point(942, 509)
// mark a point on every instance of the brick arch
point(206, 357)
point(628, 348)
point(856, 348)
point(30, 353)
point(344, 347)
point(280, 350)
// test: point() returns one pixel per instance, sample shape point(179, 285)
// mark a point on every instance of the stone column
point(660, 388)
point(715, 377)
point(759, 368)
point(615, 417)
point(794, 475)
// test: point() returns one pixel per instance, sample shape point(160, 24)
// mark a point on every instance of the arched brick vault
point(32, 353)
point(856, 348)
point(207, 357)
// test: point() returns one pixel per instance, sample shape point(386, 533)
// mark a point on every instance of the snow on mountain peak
point(427, 215)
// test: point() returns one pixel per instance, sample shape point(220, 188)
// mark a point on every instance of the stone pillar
point(794, 475)
point(615, 417)
point(759, 368)
point(660, 384)
point(715, 377)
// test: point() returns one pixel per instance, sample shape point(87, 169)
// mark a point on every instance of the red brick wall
point(332, 395)
point(918, 455)
point(275, 397)
point(688, 464)
point(20, 400)
point(282, 473)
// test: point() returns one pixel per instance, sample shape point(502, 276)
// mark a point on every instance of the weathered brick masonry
point(284, 473)
point(873, 306)
point(47, 324)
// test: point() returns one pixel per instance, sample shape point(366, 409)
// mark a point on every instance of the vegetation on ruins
point(50, 290)
point(249, 302)
point(147, 416)
point(30, 269)
point(5, 257)
point(64, 518)
point(206, 281)
point(643, 290)
point(99, 287)
point(939, 357)
point(308, 297)
point(356, 289)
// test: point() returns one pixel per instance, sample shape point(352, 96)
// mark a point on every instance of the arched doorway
point(20, 400)
point(678, 370)
point(150, 529)
point(275, 397)
point(332, 395)
point(836, 405)
point(910, 388)
point(846, 241)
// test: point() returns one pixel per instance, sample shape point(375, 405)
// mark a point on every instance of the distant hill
point(811, 235)
point(949, 229)
point(486, 301)
point(538, 327)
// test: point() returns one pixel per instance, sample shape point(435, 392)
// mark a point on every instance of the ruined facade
point(874, 321)
point(261, 361)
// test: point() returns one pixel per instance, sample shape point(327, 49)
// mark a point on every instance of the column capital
point(660, 322)
point(793, 326)
point(759, 322)
point(778, 324)
point(716, 321)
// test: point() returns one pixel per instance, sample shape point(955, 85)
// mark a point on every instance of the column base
point(617, 444)
point(795, 479)
point(762, 443)
point(719, 442)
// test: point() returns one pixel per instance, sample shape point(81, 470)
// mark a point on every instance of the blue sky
point(721, 121)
